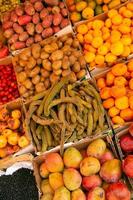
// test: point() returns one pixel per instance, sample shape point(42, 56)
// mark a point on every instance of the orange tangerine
point(105, 8)
point(82, 28)
point(108, 103)
point(122, 9)
point(3, 141)
point(122, 103)
point(126, 40)
point(112, 13)
point(124, 29)
point(13, 138)
point(120, 80)
point(97, 24)
point(110, 58)
point(130, 6)
point(80, 37)
point(126, 51)
point(118, 120)
point(106, 36)
point(97, 33)
point(102, 50)
point(3, 152)
point(89, 57)
point(99, 59)
point(127, 13)
point(131, 83)
point(130, 66)
point(88, 38)
point(97, 42)
point(117, 19)
point(115, 36)
point(119, 69)
point(105, 93)
point(108, 23)
point(131, 102)
point(89, 25)
point(113, 111)
point(110, 78)
point(105, 29)
point(127, 22)
point(131, 48)
point(118, 91)
point(101, 83)
point(126, 114)
point(117, 48)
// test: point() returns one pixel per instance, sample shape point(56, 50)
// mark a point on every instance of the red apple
point(126, 143)
point(127, 166)
point(90, 182)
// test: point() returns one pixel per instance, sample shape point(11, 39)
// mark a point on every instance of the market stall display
point(41, 65)
point(84, 10)
point(89, 171)
point(12, 132)
point(32, 22)
point(65, 113)
point(116, 91)
point(107, 39)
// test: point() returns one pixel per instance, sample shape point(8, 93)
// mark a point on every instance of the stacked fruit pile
point(33, 21)
point(12, 136)
point(80, 10)
point(89, 174)
point(116, 89)
point(104, 41)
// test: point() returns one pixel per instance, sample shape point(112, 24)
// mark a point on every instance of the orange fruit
point(106, 36)
point(120, 80)
point(112, 13)
point(117, 48)
point(89, 25)
point(119, 69)
point(131, 83)
point(131, 102)
point(130, 6)
point(97, 33)
point(110, 58)
point(6, 132)
point(130, 66)
point(23, 141)
point(102, 50)
point(80, 37)
point(105, 8)
point(126, 40)
point(99, 59)
point(3, 141)
point(115, 36)
point(16, 114)
point(13, 138)
point(110, 78)
point(127, 114)
point(108, 22)
point(118, 91)
point(124, 29)
point(82, 28)
point(105, 93)
point(127, 13)
point(127, 22)
point(97, 24)
point(101, 83)
point(126, 52)
point(113, 111)
point(108, 103)
point(88, 38)
point(97, 42)
point(89, 57)
point(122, 103)
point(131, 48)
point(117, 19)
point(3, 152)
point(118, 120)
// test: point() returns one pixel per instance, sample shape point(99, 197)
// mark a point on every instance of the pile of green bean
point(65, 113)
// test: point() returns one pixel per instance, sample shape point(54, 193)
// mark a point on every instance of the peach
point(46, 187)
point(89, 166)
point(96, 148)
point(47, 196)
point(78, 195)
point(54, 162)
point(96, 194)
point(107, 155)
point(72, 179)
point(111, 171)
point(56, 180)
point(72, 157)
point(62, 193)
point(43, 170)
point(90, 182)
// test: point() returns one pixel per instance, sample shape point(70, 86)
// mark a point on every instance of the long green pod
point(55, 90)
point(45, 122)
point(48, 136)
point(33, 130)
point(90, 123)
point(44, 142)
point(39, 131)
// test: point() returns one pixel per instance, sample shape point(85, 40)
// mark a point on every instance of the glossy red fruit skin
point(118, 191)
point(131, 129)
point(126, 143)
point(127, 166)
point(90, 182)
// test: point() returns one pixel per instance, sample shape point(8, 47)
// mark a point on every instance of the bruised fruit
point(111, 171)
point(43, 170)
point(97, 193)
point(47, 196)
point(46, 187)
point(56, 180)
point(72, 157)
point(117, 191)
point(13, 123)
point(89, 166)
point(62, 193)
point(90, 182)
point(127, 166)
point(126, 143)
point(78, 195)
point(96, 148)
point(107, 155)
point(54, 162)
point(72, 179)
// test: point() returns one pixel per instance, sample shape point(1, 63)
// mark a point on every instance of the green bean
point(48, 136)
point(90, 122)
point(33, 130)
point(45, 122)
point(39, 95)
point(38, 131)
point(62, 140)
point(44, 142)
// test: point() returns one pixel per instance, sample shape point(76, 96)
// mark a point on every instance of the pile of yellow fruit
point(105, 41)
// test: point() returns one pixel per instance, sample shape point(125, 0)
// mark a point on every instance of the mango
point(89, 166)
point(81, 6)
point(78, 195)
point(90, 182)
point(56, 180)
point(46, 187)
point(47, 196)
point(97, 193)
point(72, 157)
point(72, 179)
point(107, 155)
point(111, 171)
point(54, 162)
point(43, 170)
point(96, 148)
point(75, 16)
point(62, 194)
point(87, 13)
